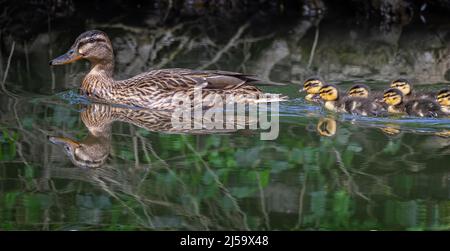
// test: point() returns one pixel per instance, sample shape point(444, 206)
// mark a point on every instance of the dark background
point(23, 19)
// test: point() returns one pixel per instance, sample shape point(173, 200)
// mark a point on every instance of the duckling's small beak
point(63, 141)
point(316, 97)
point(67, 58)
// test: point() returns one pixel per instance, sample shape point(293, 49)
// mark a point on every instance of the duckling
point(312, 86)
point(359, 90)
point(331, 98)
point(405, 87)
point(415, 107)
point(443, 98)
point(374, 98)
point(363, 91)
point(156, 88)
point(333, 101)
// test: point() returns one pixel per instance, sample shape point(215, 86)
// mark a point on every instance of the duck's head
point(392, 96)
point(87, 154)
point(329, 92)
point(359, 90)
point(312, 85)
point(403, 85)
point(443, 97)
point(93, 45)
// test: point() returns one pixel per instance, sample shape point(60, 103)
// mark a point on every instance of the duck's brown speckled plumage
point(153, 89)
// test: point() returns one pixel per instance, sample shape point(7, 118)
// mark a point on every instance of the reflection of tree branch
point(300, 202)
point(172, 55)
point(220, 184)
point(5, 74)
point(313, 49)
point(262, 196)
point(351, 186)
point(136, 30)
point(231, 43)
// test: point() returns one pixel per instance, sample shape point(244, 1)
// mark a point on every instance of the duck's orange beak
point(67, 58)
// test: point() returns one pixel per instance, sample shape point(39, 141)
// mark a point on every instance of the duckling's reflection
point(327, 127)
point(398, 150)
point(94, 150)
point(391, 130)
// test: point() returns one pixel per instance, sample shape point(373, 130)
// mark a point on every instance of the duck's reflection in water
point(94, 149)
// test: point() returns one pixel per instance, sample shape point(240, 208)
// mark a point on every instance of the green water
point(369, 174)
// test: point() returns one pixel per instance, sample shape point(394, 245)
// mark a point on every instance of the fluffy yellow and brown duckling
point(333, 101)
point(359, 91)
point(406, 88)
point(312, 87)
point(374, 100)
point(443, 98)
point(153, 89)
point(415, 107)
point(331, 98)
point(364, 91)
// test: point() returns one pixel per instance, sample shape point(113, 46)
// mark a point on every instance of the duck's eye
point(67, 148)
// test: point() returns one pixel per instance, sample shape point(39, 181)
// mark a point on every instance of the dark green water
point(369, 174)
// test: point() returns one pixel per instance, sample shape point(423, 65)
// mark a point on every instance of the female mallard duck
point(416, 107)
point(153, 89)
point(406, 88)
point(330, 94)
point(312, 86)
point(443, 98)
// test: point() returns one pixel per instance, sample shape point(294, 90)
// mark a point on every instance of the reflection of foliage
point(7, 144)
point(162, 181)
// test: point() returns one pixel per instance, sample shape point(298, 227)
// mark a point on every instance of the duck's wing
point(184, 78)
point(221, 79)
